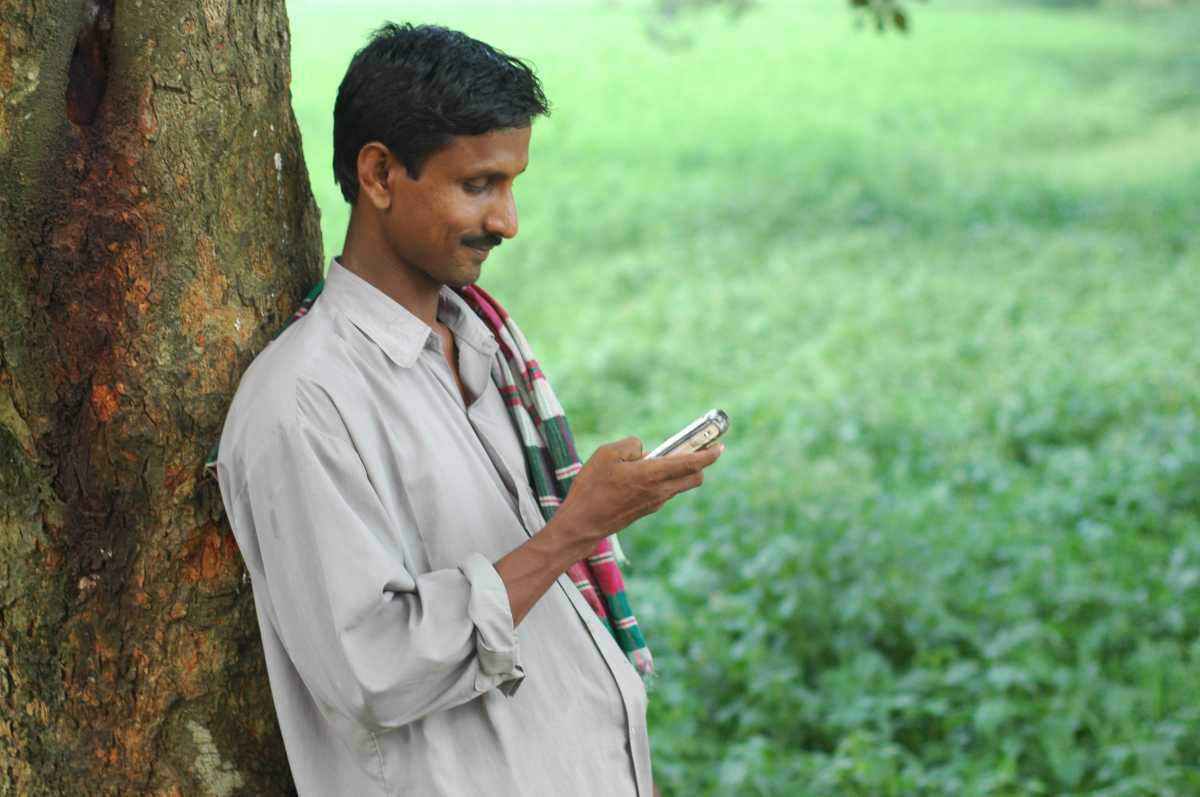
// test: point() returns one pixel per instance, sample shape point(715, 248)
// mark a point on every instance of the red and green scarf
point(551, 462)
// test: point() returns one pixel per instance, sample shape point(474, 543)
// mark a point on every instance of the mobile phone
point(700, 433)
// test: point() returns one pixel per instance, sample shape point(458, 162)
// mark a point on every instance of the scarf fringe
point(642, 661)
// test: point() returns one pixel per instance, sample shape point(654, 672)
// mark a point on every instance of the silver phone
point(700, 433)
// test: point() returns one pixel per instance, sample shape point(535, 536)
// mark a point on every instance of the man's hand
point(617, 486)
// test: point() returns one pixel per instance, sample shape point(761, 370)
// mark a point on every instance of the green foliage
point(882, 14)
point(946, 288)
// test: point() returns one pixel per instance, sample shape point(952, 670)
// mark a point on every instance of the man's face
point(443, 223)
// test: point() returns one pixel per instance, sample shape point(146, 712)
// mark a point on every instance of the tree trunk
point(157, 228)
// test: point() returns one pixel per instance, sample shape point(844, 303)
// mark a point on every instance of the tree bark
point(158, 227)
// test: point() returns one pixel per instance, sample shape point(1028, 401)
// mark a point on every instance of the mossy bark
point(158, 227)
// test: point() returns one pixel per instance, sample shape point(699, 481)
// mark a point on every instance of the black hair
point(413, 88)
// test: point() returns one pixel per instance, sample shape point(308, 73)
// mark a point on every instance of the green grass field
point(947, 287)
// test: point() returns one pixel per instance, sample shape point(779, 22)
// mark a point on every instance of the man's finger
point(684, 483)
point(679, 465)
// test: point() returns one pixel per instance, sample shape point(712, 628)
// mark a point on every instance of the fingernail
point(720, 448)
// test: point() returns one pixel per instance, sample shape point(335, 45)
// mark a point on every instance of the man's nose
point(501, 218)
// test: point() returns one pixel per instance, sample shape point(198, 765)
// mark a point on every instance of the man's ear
point(376, 168)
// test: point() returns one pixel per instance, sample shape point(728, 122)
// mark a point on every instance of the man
point(420, 634)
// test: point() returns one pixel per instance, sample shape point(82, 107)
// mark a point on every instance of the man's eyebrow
point(490, 173)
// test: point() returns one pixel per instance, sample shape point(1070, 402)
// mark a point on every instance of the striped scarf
point(551, 461)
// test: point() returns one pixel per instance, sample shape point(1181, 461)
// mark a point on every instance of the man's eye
point(475, 186)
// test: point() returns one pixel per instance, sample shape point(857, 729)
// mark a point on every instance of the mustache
point(484, 241)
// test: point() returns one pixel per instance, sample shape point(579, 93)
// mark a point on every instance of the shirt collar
point(392, 327)
point(468, 328)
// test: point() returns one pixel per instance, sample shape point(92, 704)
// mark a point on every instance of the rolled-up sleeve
point(495, 638)
point(370, 639)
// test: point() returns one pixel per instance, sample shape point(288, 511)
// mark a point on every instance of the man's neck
point(367, 256)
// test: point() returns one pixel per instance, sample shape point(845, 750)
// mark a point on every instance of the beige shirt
point(369, 504)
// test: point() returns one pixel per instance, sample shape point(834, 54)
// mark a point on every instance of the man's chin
point(460, 272)
point(463, 278)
